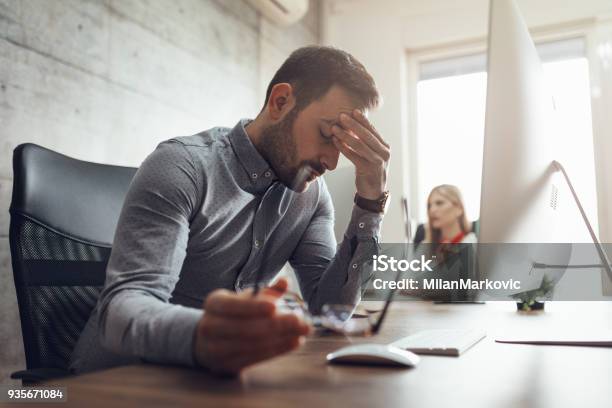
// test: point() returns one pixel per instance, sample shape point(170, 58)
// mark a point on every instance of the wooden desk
point(489, 375)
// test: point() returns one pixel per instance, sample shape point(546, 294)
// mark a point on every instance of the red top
point(456, 239)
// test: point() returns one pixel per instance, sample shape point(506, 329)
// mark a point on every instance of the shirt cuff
point(364, 224)
point(182, 337)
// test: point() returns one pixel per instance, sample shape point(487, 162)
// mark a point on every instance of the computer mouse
point(374, 354)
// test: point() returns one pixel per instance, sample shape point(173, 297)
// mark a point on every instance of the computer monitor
point(519, 185)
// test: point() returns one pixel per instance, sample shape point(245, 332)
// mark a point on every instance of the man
point(207, 214)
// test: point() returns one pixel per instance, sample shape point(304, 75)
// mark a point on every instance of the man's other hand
point(239, 329)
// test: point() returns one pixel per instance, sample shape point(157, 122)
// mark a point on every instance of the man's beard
point(278, 146)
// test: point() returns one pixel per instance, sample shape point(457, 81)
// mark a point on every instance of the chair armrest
point(40, 374)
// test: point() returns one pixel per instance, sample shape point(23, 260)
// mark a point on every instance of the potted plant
point(534, 299)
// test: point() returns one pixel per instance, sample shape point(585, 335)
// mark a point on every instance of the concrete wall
point(107, 80)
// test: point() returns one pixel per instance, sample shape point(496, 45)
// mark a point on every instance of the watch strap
point(378, 206)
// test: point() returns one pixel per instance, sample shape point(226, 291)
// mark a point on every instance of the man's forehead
point(333, 119)
point(335, 102)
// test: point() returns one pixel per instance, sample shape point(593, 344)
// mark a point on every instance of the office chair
point(63, 217)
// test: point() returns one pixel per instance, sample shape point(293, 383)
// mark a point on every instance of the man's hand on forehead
point(357, 139)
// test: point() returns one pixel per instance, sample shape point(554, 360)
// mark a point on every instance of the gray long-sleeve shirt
point(206, 212)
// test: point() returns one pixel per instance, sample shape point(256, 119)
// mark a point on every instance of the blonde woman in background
point(447, 227)
point(448, 223)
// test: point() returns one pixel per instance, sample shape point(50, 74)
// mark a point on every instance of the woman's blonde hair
point(452, 194)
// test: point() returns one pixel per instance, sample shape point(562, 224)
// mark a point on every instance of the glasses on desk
point(335, 317)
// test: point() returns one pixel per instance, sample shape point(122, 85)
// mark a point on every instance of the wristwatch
point(378, 206)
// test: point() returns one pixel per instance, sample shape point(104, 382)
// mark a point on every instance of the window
point(451, 98)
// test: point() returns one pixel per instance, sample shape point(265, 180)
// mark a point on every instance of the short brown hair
point(313, 70)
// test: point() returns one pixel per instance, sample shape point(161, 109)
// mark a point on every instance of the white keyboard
point(445, 342)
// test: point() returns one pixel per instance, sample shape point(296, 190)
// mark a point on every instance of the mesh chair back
point(63, 216)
